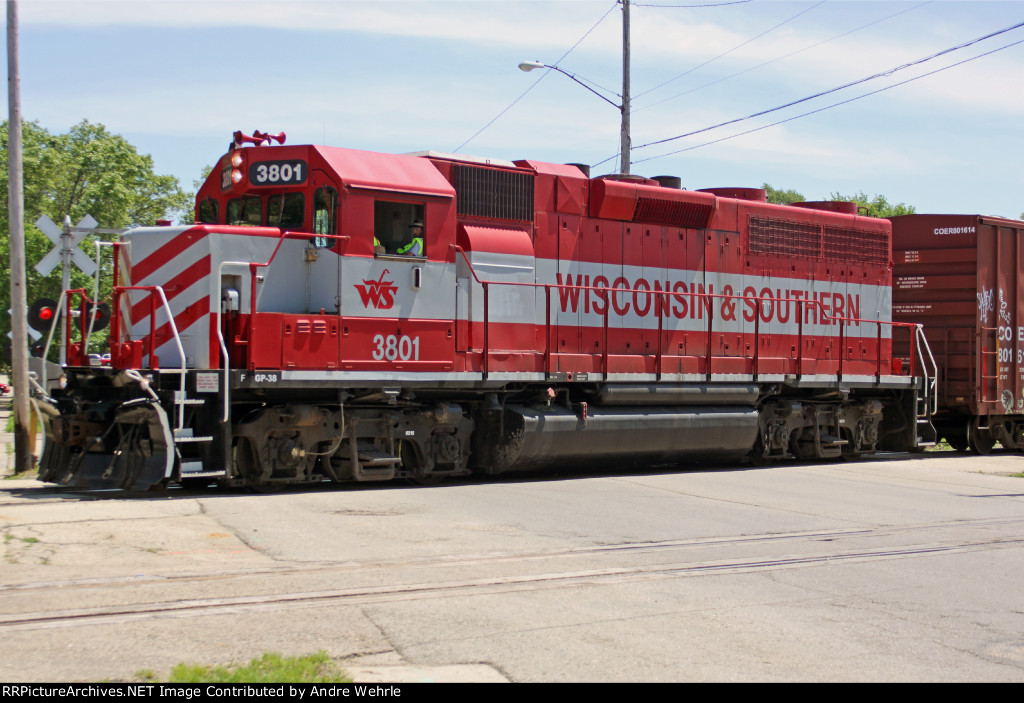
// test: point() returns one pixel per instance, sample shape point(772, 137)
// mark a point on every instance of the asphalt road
point(881, 570)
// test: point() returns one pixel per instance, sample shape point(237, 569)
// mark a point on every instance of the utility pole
point(16, 223)
point(625, 89)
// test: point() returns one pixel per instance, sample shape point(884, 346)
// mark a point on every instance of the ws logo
point(379, 294)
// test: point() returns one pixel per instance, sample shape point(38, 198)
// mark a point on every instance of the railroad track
point(550, 569)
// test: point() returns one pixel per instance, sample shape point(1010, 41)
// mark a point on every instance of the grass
point(270, 668)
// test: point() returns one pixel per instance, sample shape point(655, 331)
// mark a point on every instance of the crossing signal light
point(41, 314)
point(101, 314)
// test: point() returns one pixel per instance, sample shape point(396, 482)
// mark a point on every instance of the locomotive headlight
point(236, 159)
point(236, 175)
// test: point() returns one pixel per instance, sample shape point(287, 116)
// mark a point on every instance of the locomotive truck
point(344, 315)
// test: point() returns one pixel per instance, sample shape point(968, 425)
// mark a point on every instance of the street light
point(624, 107)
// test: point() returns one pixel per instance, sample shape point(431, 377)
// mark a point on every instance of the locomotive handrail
point(285, 234)
point(225, 357)
point(823, 317)
point(153, 363)
point(96, 281)
point(931, 387)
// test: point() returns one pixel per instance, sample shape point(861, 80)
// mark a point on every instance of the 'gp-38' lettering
point(393, 348)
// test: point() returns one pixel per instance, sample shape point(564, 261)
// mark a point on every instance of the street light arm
point(530, 65)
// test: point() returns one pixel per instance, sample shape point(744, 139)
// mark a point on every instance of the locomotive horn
point(267, 137)
point(257, 138)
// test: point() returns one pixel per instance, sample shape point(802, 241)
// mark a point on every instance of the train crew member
point(378, 248)
point(415, 246)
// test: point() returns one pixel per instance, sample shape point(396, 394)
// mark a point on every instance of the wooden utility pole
point(16, 223)
point(624, 134)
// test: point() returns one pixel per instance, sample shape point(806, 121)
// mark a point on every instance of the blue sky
point(177, 77)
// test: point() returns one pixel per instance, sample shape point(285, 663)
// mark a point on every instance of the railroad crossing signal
point(66, 239)
point(31, 330)
point(41, 314)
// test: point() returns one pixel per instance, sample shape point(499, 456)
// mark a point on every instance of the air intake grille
point(784, 238)
point(492, 193)
point(815, 241)
point(668, 212)
point(856, 245)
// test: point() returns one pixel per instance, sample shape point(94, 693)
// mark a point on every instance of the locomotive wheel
point(980, 441)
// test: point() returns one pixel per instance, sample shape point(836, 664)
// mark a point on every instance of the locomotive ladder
point(983, 353)
point(185, 435)
point(181, 400)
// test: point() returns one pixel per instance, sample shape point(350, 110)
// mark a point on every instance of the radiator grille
point(668, 212)
point(784, 238)
point(492, 193)
point(856, 245)
point(815, 241)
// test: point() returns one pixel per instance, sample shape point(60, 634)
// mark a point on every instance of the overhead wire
point(880, 74)
point(717, 4)
point(784, 56)
point(726, 53)
point(540, 78)
point(828, 107)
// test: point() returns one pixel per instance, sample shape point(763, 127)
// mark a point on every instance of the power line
point(719, 4)
point(539, 78)
point(827, 107)
point(836, 89)
point(786, 56)
point(726, 53)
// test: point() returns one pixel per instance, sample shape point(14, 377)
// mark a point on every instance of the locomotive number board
point(272, 173)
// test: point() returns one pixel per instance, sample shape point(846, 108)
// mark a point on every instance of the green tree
point(783, 197)
point(877, 206)
point(86, 171)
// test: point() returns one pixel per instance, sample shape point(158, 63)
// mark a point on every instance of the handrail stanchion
point(800, 340)
point(878, 355)
point(547, 331)
point(486, 351)
point(606, 361)
point(757, 338)
point(660, 312)
point(153, 358)
point(842, 347)
point(913, 354)
point(709, 307)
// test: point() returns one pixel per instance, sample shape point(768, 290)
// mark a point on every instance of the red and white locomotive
point(352, 316)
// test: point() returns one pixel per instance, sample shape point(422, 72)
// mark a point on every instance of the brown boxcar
point(960, 276)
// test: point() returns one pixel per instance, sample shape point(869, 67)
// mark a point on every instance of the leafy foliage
point(86, 171)
point(270, 668)
point(877, 206)
point(783, 197)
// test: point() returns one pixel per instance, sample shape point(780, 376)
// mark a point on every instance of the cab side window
point(209, 210)
point(325, 209)
point(398, 228)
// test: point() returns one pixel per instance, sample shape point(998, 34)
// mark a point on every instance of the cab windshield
point(284, 210)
